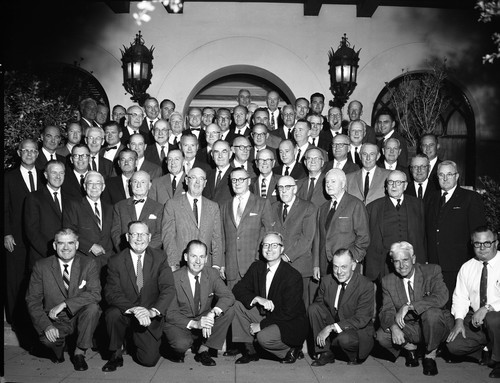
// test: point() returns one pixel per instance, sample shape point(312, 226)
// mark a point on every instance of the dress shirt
point(138, 206)
point(140, 161)
point(195, 131)
point(450, 193)
point(466, 292)
point(172, 138)
point(198, 204)
point(223, 170)
point(188, 164)
point(223, 135)
point(236, 201)
point(353, 152)
point(290, 168)
point(336, 132)
point(77, 175)
point(151, 122)
point(192, 281)
point(424, 186)
point(389, 166)
point(270, 276)
point(99, 206)
point(388, 135)
point(302, 149)
point(395, 200)
point(110, 154)
point(69, 263)
point(288, 131)
point(96, 158)
point(257, 150)
point(338, 330)
point(273, 116)
point(238, 164)
point(363, 175)
point(268, 182)
point(59, 197)
point(26, 177)
point(432, 163)
point(126, 182)
point(338, 199)
point(165, 149)
point(339, 164)
point(131, 131)
point(405, 284)
point(47, 154)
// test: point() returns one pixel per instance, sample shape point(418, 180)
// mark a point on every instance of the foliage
point(489, 10)
point(491, 200)
point(27, 110)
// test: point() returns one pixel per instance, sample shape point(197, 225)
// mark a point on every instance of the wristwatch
point(488, 307)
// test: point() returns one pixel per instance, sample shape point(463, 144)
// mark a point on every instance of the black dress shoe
point(204, 358)
point(113, 364)
point(231, 352)
point(411, 358)
point(57, 359)
point(247, 358)
point(324, 358)
point(355, 362)
point(495, 373)
point(176, 357)
point(486, 359)
point(291, 356)
point(430, 367)
point(79, 363)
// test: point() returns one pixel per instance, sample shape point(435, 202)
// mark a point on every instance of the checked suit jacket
point(161, 188)
point(377, 184)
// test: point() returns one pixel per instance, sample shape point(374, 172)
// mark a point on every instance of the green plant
point(491, 199)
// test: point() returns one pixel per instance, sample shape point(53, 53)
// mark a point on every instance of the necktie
point(140, 276)
point(239, 212)
point(411, 293)
point(111, 148)
point(97, 214)
point(287, 171)
point(66, 278)
point(367, 184)
point(175, 140)
point(341, 294)
point(419, 195)
point(443, 199)
point(285, 212)
point(197, 295)
point(195, 210)
point(272, 120)
point(298, 156)
point(135, 131)
point(357, 159)
point(263, 189)
point(314, 141)
point(56, 200)
point(174, 185)
point(82, 179)
point(51, 157)
point(219, 177)
point(151, 125)
point(483, 286)
point(238, 132)
point(162, 153)
point(398, 205)
point(94, 165)
point(136, 201)
point(311, 188)
point(268, 281)
point(329, 217)
point(32, 181)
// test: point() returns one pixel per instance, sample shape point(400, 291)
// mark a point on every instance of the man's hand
point(254, 328)
point(266, 303)
point(478, 317)
point(457, 329)
point(9, 242)
point(97, 250)
point(54, 311)
point(398, 337)
point(207, 321)
point(316, 273)
point(222, 272)
point(52, 333)
point(400, 316)
point(323, 334)
point(142, 315)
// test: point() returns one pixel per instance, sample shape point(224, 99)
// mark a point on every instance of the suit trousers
point(85, 321)
point(476, 338)
point(147, 346)
point(431, 328)
point(269, 338)
point(15, 264)
point(180, 339)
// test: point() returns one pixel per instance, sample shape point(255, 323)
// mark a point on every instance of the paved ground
point(20, 366)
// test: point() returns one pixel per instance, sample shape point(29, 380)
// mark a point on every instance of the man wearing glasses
point(450, 219)
point(218, 186)
point(340, 149)
point(420, 185)
point(134, 124)
point(265, 184)
point(94, 138)
point(477, 309)
point(311, 188)
point(242, 150)
point(75, 174)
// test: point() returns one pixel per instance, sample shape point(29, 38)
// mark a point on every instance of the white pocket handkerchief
point(274, 193)
point(252, 214)
point(82, 285)
point(152, 216)
point(343, 217)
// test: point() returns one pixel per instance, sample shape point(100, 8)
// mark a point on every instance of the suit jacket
point(179, 227)
point(71, 185)
point(377, 253)
point(157, 292)
point(356, 309)
point(272, 192)
point(63, 151)
point(202, 155)
point(297, 172)
point(370, 135)
point(430, 191)
point(202, 137)
point(433, 176)
point(213, 292)
point(223, 191)
point(42, 220)
point(46, 288)
point(280, 132)
point(348, 230)
point(250, 169)
point(80, 217)
point(151, 155)
point(114, 191)
point(105, 167)
point(404, 169)
point(41, 161)
point(298, 232)
point(153, 170)
point(429, 290)
point(319, 196)
point(403, 157)
point(377, 185)
point(146, 128)
point(230, 137)
point(242, 243)
point(289, 312)
point(143, 129)
point(124, 212)
point(349, 166)
point(449, 229)
point(161, 188)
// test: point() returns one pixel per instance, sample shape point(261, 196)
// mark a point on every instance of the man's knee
point(113, 314)
point(314, 309)
point(91, 310)
point(346, 340)
point(148, 358)
point(492, 321)
point(180, 344)
point(433, 315)
point(383, 338)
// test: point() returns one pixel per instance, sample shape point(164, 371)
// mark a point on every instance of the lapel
point(51, 199)
point(418, 283)
point(453, 201)
point(262, 281)
point(20, 179)
point(107, 211)
point(230, 211)
point(146, 210)
point(294, 209)
point(205, 212)
point(180, 185)
point(351, 287)
point(147, 267)
point(248, 208)
point(74, 277)
point(359, 181)
point(186, 287)
point(130, 270)
point(204, 289)
point(56, 271)
point(88, 209)
point(272, 186)
point(131, 209)
point(187, 208)
point(400, 288)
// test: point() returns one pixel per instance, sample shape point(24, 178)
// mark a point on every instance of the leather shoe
point(112, 364)
point(430, 367)
point(355, 362)
point(79, 363)
point(495, 373)
point(204, 358)
point(57, 359)
point(324, 358)
point(231, 352)
point(411, 358)
point(486, 359)
point(247, 358)
point(291, 356)
point(177, 357)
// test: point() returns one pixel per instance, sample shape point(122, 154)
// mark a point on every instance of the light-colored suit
point(319, 196)
point(161, 188)
point(377, 184)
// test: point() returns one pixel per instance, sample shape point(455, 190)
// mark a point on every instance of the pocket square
point(274, 193)
point(210, 295)
point(456, 207)
point(152, 216)
point(82, 285)
point(343, 217)
point(252, 214)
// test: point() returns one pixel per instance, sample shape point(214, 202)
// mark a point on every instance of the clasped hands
point(266, 303)
point(143, 315)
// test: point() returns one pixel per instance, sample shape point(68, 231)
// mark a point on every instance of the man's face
point(340, 146)
point(55, 175)
point(221, 152)
point(265, 162)
point(272, 100)
point(483, 253)
point(137, 145)
point(354, 110)
point(317, 105)
point(287, 189)
point(448, 177)
point(189, 147)
point(240, 182)
point(396, 191)
point(261, 117)
point(301, 109)
point(241, 149)
point(244, 98)
point(152, 109)
point(140, 183)
point(28, 153)
point(119, 113)
point(194, 117)
point(335, 118)
point(403, 263)
point(356, 133)
point(343, 267)
point(270, 241)
point(224, 120)
point(240, 116)
point(334, 185)
point(301, 133)
point(314, 161)
point(259, 135)
point(51, 138)
point(94, 186)
point(175, 161)
point(288, 152)
point(316, 126)
point(89, 111)
point(385, 124)
point(391, 151)
point(176, 124)
point(196, 181)
point(196, 259)
point(429, 147)
point(74, 133)
point(135, 117)
point(102, 114)
point(207, 116)
point(288, 116)
point(112, 135)
point(80, 158)
point(66, 245)
point(167, 110)
point(127, 162)
point(212, 133)
point(161, 132)
point(138, 237)
point(369, 156)
point(419, 169)
point(94, 140)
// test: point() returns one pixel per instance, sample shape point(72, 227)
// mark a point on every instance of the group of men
point(257, 222)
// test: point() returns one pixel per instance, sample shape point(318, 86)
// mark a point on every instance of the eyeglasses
point(273, 246)
point(426, 146)
point(195, 179)
point(138, 235)
point(258, 134)
point(29, 152)
point(419, 167)
point(135, 115)
point(95, 139)
point(314, 159)
point(245, 148)
point(285, 187)
point(339, 145)
point(80, 156)
point(447, 175)
point(397, 183)
point(486, 244)
point(94, 184)
point(264, 161)
point(238, 181)
point(213, 134)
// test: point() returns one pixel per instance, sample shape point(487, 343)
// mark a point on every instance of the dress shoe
point(231, 352)
point(177, 357)
point(57, 359)
point(79, 363)
point(411, 358)
point(247, 358)
point(113, 364)
point(495, 373)
point(324, 358)
point(204, 358)
point(355, 362)
point(291, 356)
point(430, 367)
point(486, 359)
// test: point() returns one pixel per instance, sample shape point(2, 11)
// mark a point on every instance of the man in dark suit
point(172, 184)
point(158, 150)
point(74, 137)
point(189, 217)
point(224, 122)
point(301, 133)
point(269, 306)
point(288, 156)
point(92, 218)
point(112, 135)
point(355, 111)
point(176, 123)
point(205, 155)
point(450, 220)
point(261, 116)
point(386, 124)
point(342, 224)
point(356, 132)
point(194, 126)
point(203, 310)
point(138, 145)
point(134, 124)
point(118, 188)
point(285, 132)
point(334, 128)
point(317, 104)
point(272, 102)
point(394, 218)
point(429, 146)
point(138, 207)
point(390, 153)
point(315, 137)
point(76, 172)
point(420, 185)
point(245, 219)
point(88, 110)
point(241, 127)
point(43, 212)
point(139, 289)
point(242, 148)
point(296, 221)
point(341, 315)
point(94, 138)
point(413, 310)
point(152, 110)
point(312, 187)
point(341, 160)
point(218, 188)
point(63, 296)
point(264, 185)
point(189, 147)
point(18, 183)
point(51, 137)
